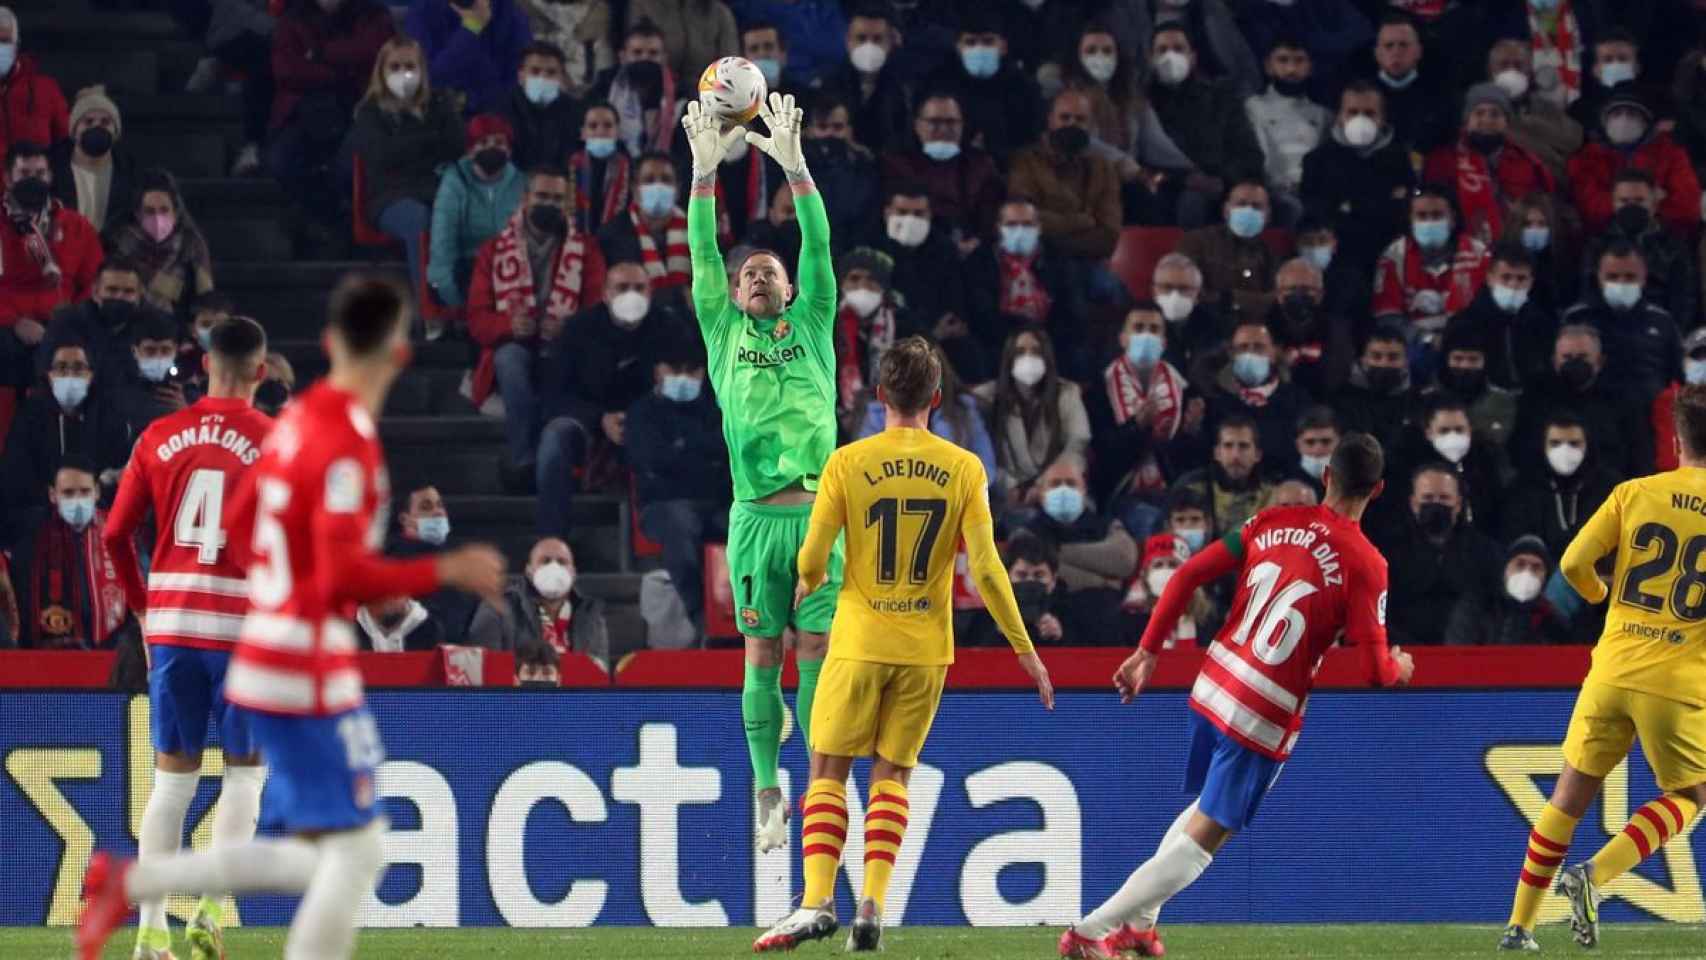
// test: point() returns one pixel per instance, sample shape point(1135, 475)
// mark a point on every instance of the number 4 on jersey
point(198, 515)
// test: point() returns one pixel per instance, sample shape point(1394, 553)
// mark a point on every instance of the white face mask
point(433, 530)
point(1028, 370)
point(629, 308)
point(1100, 66)
point(868, 57)
point(908, 230)
point(1624, 129)
point(863, 301)
point(1453, 446)
point(1361, 131)
point(1156, 579)
point(1523, 585)
point(1565, 458)
point(1694, 371)
point(553, 580)
point(1175, 306)
point(1513, 82)
point(1172, 67)
point(1508, 299)
point(1313, 465)
point(403, 83)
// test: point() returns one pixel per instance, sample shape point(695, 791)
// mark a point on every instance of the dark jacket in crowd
point(1206, 120)
point(1477, 478)
point(1427, 579)
point(676, 450)
point(426, 634)
point(1381, 415)
point(452, 609)
point(544, 136)
point(1078, 628)
point(516, 626)
point(1519, 345)
point(404, 154)
point(1319, 345)
point(1643, 348)
point(1672, 281)
point(1362, 191)
point(1552, 507)
point(1002, 113)
point(882, 121)
point(42, 435)
point(927, 277)
point(121, 190)
point(1422, 115)
point(965, 192)
point(104, 334)
point(1276, 417)
point(1620, 435)
point(1486, 619)
point(90, 614)
point(600, 368)
point(325, 57)
point(1068, 306)
point(850, 185)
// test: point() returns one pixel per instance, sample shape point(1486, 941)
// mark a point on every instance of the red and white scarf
point(1127, 394)
point(674, 268)
point(1557, 51)
point(615, 188)
point(40, 233)
point(1022, 294)
point(1479, 192)
point(557, 630)
point(67, 579)
point(863, 341)
point(512, 271)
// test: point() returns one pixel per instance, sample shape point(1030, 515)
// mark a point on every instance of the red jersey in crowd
point(308, 522)
point(184, 468)
point(1306, 576)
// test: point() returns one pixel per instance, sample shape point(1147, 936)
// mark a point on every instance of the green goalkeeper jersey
point(774, 378)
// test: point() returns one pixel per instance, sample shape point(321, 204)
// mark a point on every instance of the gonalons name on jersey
point(771, 358)
point(209, 434)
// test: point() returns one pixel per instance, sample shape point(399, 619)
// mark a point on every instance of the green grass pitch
point(1250, 942)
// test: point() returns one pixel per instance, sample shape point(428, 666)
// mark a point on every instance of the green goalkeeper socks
point(761, 707)
point(809, 670)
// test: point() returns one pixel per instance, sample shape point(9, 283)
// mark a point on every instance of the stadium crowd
point(1472, 229)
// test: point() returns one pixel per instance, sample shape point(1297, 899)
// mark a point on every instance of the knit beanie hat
point(90, 99)
point(1484, 93)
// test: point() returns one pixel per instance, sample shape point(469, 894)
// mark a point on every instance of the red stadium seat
point(360, 230)
point(447, 318)
point(644, 546)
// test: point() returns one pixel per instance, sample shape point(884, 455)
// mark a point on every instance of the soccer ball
point(731, 89)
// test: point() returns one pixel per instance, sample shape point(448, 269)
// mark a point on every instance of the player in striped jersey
point(184, 467)
point(308, 522)
point(1306, 576)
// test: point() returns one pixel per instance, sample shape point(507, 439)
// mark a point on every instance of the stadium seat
point(447, 318)
point(360, 231)
point(644, 547)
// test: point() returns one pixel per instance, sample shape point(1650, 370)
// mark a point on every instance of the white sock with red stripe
point(1176, 865)
point(350, 864)
point(160, 834)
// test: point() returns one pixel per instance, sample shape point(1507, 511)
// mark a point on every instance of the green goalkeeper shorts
point(764, 550)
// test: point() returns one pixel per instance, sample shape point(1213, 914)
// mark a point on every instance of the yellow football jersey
point(1655, 626)
point(905, 497)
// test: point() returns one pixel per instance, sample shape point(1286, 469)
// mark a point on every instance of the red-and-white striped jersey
point(1306, 577)
point(312, 516)
point(185, 467)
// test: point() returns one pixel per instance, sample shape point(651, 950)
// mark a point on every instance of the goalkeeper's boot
point(1576, 884)
point(105, 905)
point(772, 833)
point(1144, 943)
point(867, 932)
point(1516, 938)
point(801, 926)
point(1076, 946)
point(207, 941)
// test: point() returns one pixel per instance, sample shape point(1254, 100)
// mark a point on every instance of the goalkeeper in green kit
point(772, 364)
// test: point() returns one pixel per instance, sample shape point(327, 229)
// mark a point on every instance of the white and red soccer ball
point(731, 89)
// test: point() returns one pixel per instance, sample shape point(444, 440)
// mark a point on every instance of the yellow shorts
point(865, 708)
point(1607, 720)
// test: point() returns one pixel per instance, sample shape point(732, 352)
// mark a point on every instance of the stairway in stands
point(431, 433)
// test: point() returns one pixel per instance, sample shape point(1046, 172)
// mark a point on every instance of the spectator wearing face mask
point(1251, 382)
point(33, 105)
point(1230, 488)
point(652, 231)
point(275, 389)
point(1417, 105)
point(1206, 120)
point(1194, 327)
point(1346, 288)
point(1036, 417)
point(1485, 168)
point(322, 62)
point(1316, 437)
point(1434, 558)
point(1627, 137)
point(844, 168)
point(674, 443)
point(1237, 265)
point(1314, 344)
point(66, 585)
point(1463, 375)
point(1224, 52)
point(1378, 399)
point(779, 231)
point(476, 196)
point(1164, 554)
point(423, 527)
point(1671, 280)
point(1537, 225)
point(762, 44)
point(1076, 193)
point(593, 379)
point(105, 324)
point(49, 257)
point(472, 47)
point(152, 391)
point(1359, 178)
point(601, 172)
point(1563, 490)
point(1186, 517)
point(405, 132)
point(1050, 615)
point(92, 172)
point(1664, 406)
point(1333, 33)
point(1097, 555)
point(927, 273)
point(1616, 421)
point(1003, 107)
point(1288, 124)
point(871, 319)
point(1616, 69)
point(1643, 349)
point(528, 281)
point(964, 185)
point(1430, 273)
point(1511, 611)
point(642, 89)
point(957, 419)
point(1445, 437)
point(542, 113)
point(165, 244)
point(812, 30)
point(1017, 280)
point(1538, 122)
point(1123, 126)
point(67, 415)
point(695, 33)
point(1145, 423)
point(398, 625)
point(542, 608)
point(869, 82)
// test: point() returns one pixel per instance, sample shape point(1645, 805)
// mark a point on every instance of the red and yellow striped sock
point(885, 827)
point(823, 830)
point(1547, 844)
point(1647, 831)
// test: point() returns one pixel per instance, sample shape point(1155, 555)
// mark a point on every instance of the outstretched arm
point(816, 269)
point(708, 145)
